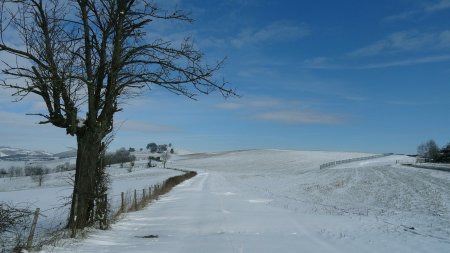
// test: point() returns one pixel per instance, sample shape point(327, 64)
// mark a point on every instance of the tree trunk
point(89, 149)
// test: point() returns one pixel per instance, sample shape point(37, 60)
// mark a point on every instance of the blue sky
point(369, 76)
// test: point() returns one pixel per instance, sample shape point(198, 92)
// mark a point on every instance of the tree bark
point(89, 149)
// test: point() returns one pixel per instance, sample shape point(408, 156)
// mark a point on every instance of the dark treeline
point(430, 152)
point(121, 155)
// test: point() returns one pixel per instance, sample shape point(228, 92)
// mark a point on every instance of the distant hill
point(18, 154)
point(66, 154)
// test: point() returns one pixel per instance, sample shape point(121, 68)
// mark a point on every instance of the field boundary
point(334, 163)
point(428, 167)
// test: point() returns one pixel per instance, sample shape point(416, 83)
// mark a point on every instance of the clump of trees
point(445, 154)
point(152, 147)
point(120, 156)
point(15, 171)
point(430, 152)
point(161, 148)
point(32, 170)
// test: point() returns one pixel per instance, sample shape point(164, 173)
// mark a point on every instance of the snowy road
point(206, 214)
point(279, 201)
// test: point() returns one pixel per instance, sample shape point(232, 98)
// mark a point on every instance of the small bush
point(14, 223)
point(65, 167)
point(3, 172)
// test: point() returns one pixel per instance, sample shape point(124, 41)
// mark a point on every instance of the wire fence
point(334, 163)
point(137, 199)
point(40, 227)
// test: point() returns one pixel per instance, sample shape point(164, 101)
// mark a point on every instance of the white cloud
point(386, 64)
point(401, 16)
point(250, 103)
point(5, 96)
point(278, 31)
point(444, 39)
point(321, 63)
point(407, 62)
point(264, 103)
point(279, 111)
point(426, 47)
point(230, 105)
point(20, 130)
point(17, 119)
point(299, 117)
point(438, 6)
point(317, 61)
point(401, 41)
point(145, 127)
point(428, 9)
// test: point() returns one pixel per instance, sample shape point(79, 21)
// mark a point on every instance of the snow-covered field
point(52, 197)
point(280, 201)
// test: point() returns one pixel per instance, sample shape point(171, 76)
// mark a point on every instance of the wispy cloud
point(407, 62)
point(145, 127)
point(384, 64)
point(230, 105)
point(404, 41)
point(401, 16)
point(322, 63)
point(438, 6)
point(404, 48)
point(428, 9)
point(12, 119)
point(278, 31)
point(20, 130)
point(250, 103)
point(299, 117)
point(282, 111)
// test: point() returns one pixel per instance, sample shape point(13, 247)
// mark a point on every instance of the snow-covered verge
point(54, 194)
point(431, 166)
point(280, 201)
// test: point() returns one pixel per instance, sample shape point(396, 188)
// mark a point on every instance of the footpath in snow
point(211, 213)
point(280, 201)
point(206, 214)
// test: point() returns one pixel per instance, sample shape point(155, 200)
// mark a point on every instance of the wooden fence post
point(135, 200)
point(33, 228)
point(122, 203)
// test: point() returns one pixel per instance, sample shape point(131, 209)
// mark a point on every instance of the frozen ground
point(53, 196)
point(280, 201)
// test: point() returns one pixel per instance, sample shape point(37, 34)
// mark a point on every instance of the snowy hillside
point(8, 151)
point(280, 201)
point(54, 195)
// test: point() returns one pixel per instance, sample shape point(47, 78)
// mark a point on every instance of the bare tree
point(429, 150)
point(85, 57)
point(165, 157)
point(39, 175)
